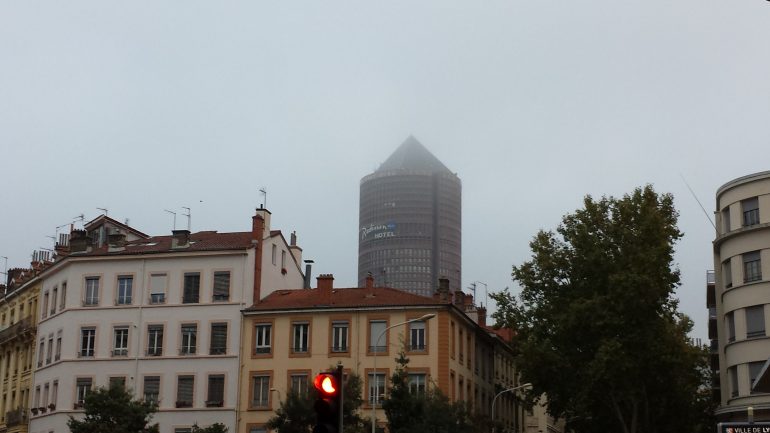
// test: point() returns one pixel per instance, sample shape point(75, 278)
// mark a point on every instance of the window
point(87, 341)
point(184, 391)
point(262, 338)
point(116, 381)
point(283, 259)
point(49, 352)
point(157, 288)
point(40, 355)
point(260, 391)
point(300, 339)
point(54, 393)
point(92, 292)
point(376, 388)
point(58, 346)
point(257, 429)
point(191, 290)
point(750, 209)
point(755, 321)
point(152, 388)
point(125, 290)
point(377, 336)
point(218, 339)
point(460, 333)
point(82, 387)
point(216, 390)
point(63, 301)
point(275, 255)
point(299, 384)
point(221, 286)
point(154, 340)
point(726, 219)
point(340, 336)
point(752, 267)
point(727, 273)
point(44, 312)
point(189, 339)
point(417, 336)
point(730, 319)
point(417, 383)
point(732, 374)
point(54, 294)
point(452, 343)
point(754, 369)
point(120, 341)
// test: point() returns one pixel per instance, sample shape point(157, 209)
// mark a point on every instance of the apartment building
point(291, 335)
point(742, 294)
point(159, 314)
point(18, 318)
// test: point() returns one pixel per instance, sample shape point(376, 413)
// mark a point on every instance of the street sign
point(743, 427)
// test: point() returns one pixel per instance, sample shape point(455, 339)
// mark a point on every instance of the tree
point(213, 428)
point(112, 410)
point(597, 327)
point(296, 414)
point(428, 411)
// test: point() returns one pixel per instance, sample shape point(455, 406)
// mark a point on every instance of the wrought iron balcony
point(18, 329)
point(15, 417)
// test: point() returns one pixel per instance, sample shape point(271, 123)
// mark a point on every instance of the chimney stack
point(482, 316)
point(257, 235)
point(296, 251)
point(308, 268)
point(180, 239)
point(79, 241)
point(116, 241)
point(459, 297)
point(325, 286)
point(443, 289)
point(369, 281)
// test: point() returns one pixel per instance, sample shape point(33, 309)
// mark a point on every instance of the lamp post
point(494, 400)
point(374, 374)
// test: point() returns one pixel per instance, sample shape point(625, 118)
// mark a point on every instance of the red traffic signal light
point(327, 384)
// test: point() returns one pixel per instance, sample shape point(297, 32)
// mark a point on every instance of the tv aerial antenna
point(263, 190)
point(172, 213)
point(188, 215)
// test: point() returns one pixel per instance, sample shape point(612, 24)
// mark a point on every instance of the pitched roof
point(413, 156)
point(200, 241)
point(341, 298)
point(104, 218)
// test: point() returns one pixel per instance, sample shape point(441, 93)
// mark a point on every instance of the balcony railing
point(16, 330)
point(15, 417)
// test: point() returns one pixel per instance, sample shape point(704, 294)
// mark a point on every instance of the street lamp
point(494, 400)
point(374, 374)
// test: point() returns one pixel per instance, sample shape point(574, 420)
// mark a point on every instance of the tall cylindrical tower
point(410, 222)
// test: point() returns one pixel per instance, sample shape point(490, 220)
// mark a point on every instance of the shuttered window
point(218, 339)
point(184, 391)
point(216, 391)
point(221, 286)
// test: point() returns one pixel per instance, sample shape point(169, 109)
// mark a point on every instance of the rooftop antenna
point(699, 203)
point(172, 213)
point(5, 269)
point(103, 209)
point(189, 217)
point(473, 284)
point(264, 195)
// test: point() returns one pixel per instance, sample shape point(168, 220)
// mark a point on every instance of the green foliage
point(213, 428)
point(296, 414)
point(597, 324)
point(112, 410)
point(428, 412)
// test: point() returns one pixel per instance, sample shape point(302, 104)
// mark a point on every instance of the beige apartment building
point(18, 319)
point(291, 335)
point(158, 314)
point(742, 294)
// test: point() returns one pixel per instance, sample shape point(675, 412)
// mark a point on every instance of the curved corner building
point(410, 222)
point(742, 283)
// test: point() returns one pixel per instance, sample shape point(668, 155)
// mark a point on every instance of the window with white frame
point(87, 342)
point(260, 391)
point(300, 337)
point(417, 336)
point(417, 383)
point(340, 336)
point(125, 290)
point(299, 384)
point(377, 338)
point(82, 387)
point(262, 338)
point(158, 283)
point(154, 340)
point(120, 341)
point(376, 388)
point(189, 339)
point(92, 292)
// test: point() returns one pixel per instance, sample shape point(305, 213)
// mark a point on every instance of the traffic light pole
point(341, 382)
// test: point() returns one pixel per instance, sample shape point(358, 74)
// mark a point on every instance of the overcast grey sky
point(143, 106)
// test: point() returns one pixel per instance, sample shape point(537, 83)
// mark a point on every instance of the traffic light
point(328, 404)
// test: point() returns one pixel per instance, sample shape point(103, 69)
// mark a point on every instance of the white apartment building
point(159, 314)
